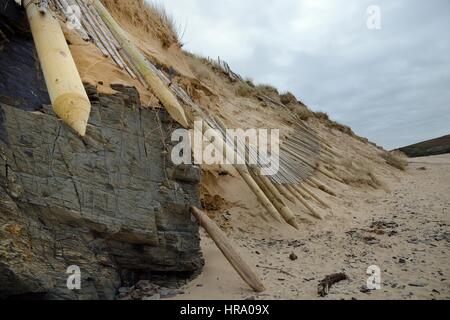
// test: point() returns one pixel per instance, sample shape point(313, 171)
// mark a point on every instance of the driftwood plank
point(228, 250)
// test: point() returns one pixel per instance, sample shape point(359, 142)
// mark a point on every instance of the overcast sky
point(391, 85)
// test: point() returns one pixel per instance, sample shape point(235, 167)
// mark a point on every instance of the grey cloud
point(390, 85)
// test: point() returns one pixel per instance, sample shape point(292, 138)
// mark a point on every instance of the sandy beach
point(405, 232)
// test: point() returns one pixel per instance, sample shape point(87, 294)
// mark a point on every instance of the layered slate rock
point(111, 203)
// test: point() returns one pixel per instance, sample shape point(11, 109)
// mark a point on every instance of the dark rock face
point(110, 203)
point(21, 80)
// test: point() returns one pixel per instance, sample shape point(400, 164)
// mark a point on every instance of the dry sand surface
point(405, 232)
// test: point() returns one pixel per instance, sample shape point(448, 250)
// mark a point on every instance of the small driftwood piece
point(277, 269)
point(228, 250)
point(326, 284)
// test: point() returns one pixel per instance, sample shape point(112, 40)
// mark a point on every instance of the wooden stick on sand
point(228, 250)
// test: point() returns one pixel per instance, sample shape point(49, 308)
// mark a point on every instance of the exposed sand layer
point(405, 232)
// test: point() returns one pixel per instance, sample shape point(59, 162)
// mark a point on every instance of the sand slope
point(410, 243)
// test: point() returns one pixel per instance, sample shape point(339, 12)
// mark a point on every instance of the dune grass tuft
point(396, 159)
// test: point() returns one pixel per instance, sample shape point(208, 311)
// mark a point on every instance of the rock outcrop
point(111, 203)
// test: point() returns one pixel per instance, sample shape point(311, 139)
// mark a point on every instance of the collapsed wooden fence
point(298, 180)
point(300, 155)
